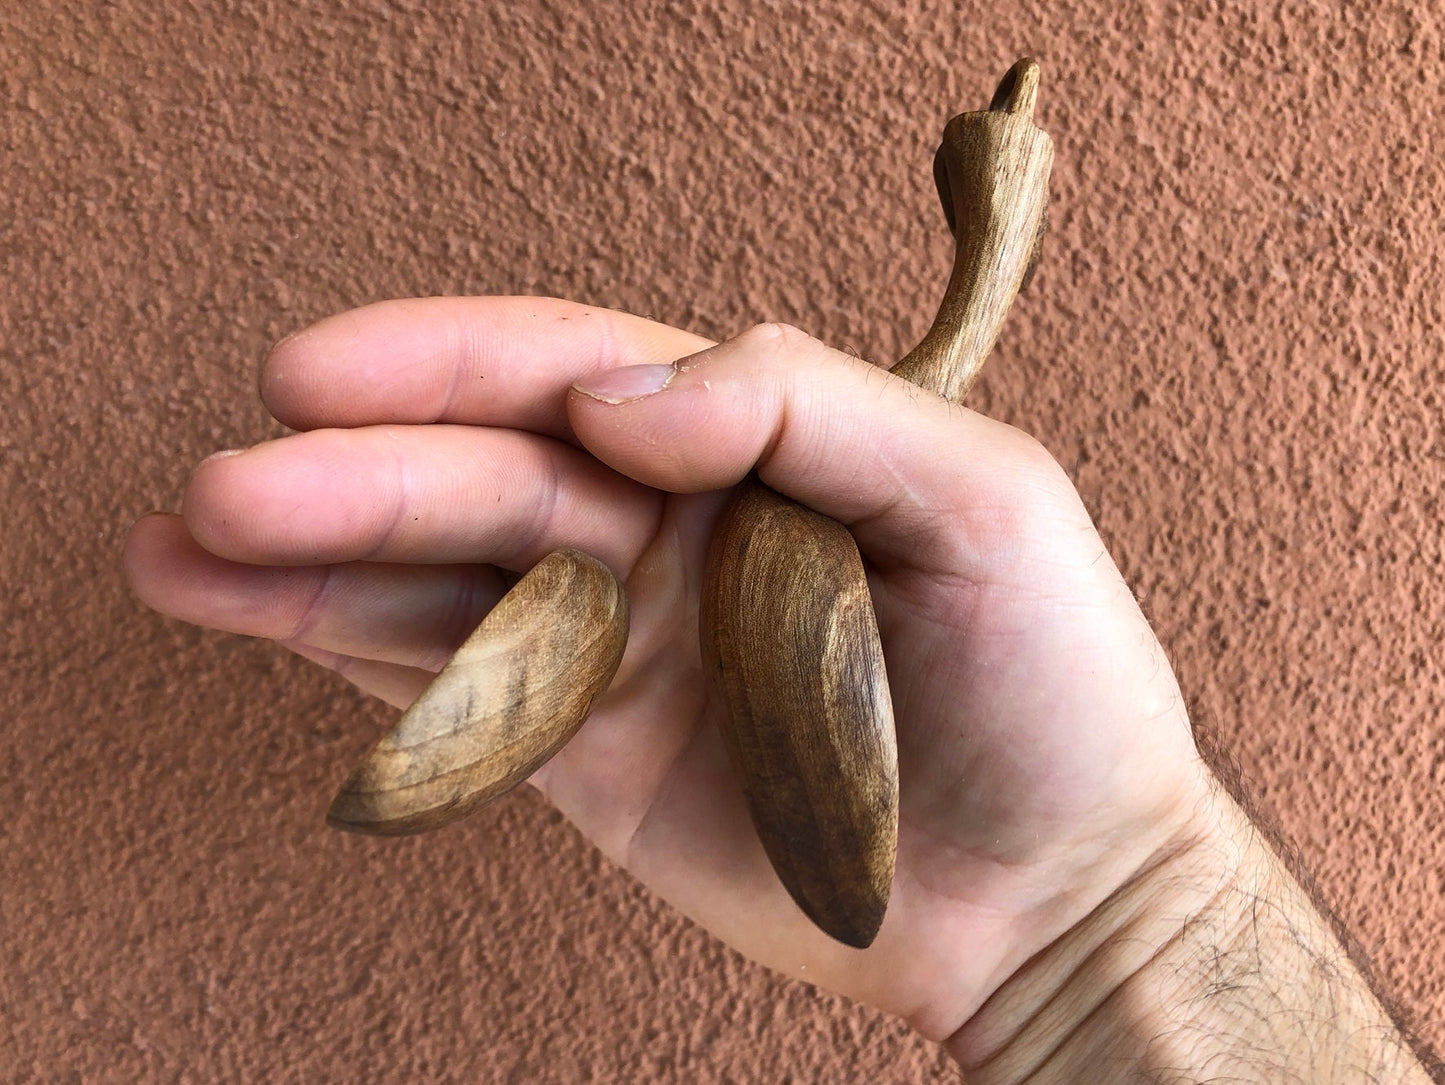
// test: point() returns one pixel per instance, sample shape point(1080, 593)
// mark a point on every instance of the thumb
point(895, 463)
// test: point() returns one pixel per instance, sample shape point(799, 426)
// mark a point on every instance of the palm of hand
point(1013, 712)
point(1044, 753)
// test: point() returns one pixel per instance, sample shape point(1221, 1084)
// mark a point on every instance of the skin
point(1046, 760)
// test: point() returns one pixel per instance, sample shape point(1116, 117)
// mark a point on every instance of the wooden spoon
point(789, 638)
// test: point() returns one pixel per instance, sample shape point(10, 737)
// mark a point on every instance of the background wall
point(1233, 344)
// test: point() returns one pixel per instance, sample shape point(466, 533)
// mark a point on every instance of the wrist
point(1210, 962)
point(1056, 993)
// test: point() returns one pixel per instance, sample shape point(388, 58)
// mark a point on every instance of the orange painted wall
point(1233, 344)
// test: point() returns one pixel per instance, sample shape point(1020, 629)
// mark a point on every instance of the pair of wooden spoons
point(789, 639)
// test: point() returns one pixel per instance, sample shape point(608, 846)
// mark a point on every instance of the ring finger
point(410, 616)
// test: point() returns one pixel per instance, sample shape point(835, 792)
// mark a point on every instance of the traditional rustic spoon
point(789, 638)
point(511, 697)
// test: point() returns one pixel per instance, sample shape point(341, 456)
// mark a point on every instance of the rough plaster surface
point(1233, 343)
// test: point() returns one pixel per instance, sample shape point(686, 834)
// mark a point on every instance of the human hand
point(1045, 757)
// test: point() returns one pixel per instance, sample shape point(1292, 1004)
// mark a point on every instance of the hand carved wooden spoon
point(787, 625)
point(789, 637)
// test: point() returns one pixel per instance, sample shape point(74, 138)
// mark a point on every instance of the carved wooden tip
point(992, 174)
point(510, 698)
point(1018, 91)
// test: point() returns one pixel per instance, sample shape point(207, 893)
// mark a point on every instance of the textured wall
point(1233, 344)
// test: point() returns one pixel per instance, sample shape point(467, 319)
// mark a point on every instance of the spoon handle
point(789, 639)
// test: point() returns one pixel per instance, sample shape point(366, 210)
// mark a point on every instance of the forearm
point(1213, 964)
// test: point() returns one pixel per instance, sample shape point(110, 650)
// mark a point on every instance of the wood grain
point(789, 638)
point(791, 641)
point(511, 697)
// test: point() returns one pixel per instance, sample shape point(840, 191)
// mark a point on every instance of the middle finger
point(427, 494)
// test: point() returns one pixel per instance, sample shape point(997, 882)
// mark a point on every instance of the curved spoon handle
point(992, 172)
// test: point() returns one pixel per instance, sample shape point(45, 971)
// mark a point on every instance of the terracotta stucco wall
point(1233, 344)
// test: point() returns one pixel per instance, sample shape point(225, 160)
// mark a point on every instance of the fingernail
point(627, 383)
point(223, 454)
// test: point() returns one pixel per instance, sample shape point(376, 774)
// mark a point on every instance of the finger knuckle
point(778, 338)
point(1034, 500)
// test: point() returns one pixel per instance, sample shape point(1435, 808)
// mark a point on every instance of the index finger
point(491, 361)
